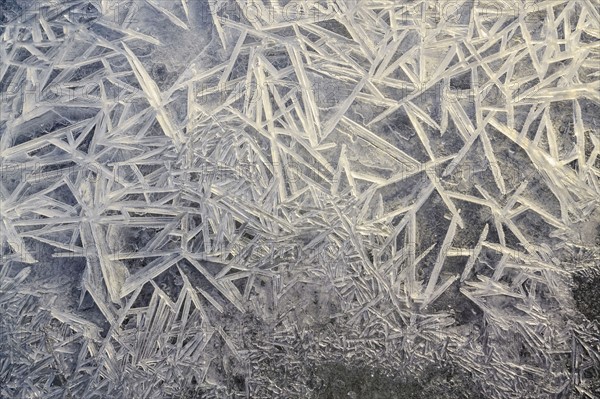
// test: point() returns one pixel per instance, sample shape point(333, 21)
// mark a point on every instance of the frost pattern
point(429, 169)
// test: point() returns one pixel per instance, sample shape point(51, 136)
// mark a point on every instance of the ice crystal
point(198, 195)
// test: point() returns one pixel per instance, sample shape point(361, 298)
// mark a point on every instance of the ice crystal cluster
point(232, 198)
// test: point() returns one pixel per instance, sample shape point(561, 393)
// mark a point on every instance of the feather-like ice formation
point(195, 190)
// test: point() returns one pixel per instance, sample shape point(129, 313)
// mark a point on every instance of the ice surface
point(221, 198)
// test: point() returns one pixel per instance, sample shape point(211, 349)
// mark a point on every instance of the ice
point(220, 198)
